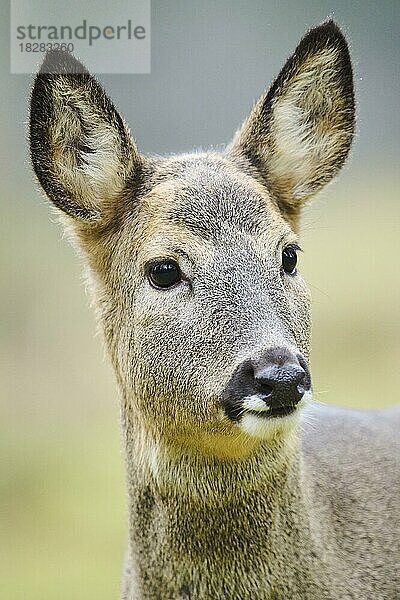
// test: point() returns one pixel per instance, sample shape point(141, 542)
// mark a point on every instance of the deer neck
point(273, 472)
point(210, 521)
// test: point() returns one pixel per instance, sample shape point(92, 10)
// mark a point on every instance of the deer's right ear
point(82, 151)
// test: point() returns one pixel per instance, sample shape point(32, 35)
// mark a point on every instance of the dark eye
point(164, 273)
point(289, 259)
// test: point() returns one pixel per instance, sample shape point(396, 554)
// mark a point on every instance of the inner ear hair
point(82, 151)
point(299, 133)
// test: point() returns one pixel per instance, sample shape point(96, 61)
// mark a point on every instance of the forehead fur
point(205, 194)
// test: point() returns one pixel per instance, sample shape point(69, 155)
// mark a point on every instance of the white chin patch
point(264, 427)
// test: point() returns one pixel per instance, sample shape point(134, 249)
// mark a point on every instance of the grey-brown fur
point(300, 507)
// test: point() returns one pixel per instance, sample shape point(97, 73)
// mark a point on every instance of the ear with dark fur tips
point(300, 131)
point(81, 150)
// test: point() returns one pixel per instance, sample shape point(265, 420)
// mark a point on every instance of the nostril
point(304, 384)
point(301, 390)
point(264, 382)
point(305, 381)
point(265, 389)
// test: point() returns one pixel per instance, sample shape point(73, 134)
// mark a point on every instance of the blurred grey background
point(61, 473)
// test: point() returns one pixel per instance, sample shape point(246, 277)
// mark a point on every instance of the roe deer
point(239, 486)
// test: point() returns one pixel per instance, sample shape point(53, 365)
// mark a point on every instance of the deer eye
point(289, 259)
point(164, 273)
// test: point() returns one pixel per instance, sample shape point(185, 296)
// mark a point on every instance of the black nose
point(279, 378)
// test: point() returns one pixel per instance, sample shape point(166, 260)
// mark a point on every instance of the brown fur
point(298, 507)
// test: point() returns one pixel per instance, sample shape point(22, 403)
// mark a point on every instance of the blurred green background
point(62, 496)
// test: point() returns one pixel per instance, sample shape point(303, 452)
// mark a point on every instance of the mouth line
point(281, 411)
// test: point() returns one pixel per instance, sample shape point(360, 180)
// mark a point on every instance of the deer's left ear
point(300, 131)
